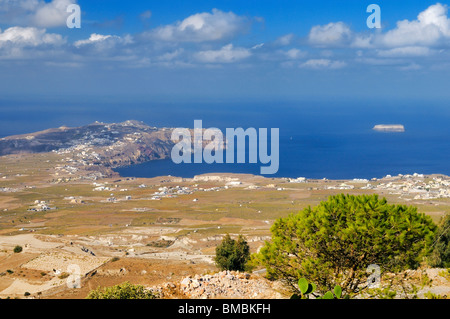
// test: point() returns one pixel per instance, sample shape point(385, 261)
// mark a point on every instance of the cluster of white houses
point(40, 206)
point(170, 192)
point(412, 186)
point(416, 186)
point(99, 187)
point(162, 192)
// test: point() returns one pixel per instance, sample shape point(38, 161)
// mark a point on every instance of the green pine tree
point(232, 254)
point(440, 256)
point(334, 242)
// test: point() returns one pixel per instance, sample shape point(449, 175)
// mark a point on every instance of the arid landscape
point(161, 232)
point(224, 158)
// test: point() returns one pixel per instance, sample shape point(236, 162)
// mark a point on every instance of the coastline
point(56, 208)
point(189, 171)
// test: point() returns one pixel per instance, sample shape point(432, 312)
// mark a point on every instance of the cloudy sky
point(224, 49)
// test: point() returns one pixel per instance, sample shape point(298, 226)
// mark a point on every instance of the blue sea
point(318, 139)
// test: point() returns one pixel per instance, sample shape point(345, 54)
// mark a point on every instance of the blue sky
point(176, 50)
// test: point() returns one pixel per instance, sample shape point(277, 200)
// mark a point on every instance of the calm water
point(332, 139)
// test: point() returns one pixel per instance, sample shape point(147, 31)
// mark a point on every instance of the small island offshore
point(389, 128)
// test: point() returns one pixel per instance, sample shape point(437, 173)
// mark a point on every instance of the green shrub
point(334, 242)
point(440, 257)
point(445, 273)
point(64, 275)
point(18, 249)
point(307, 289)
point(232, 254)
point(430, 295)
point(125, 290)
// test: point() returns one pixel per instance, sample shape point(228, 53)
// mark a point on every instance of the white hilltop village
point(415, 186)
point(410, 186)
point(172, 191)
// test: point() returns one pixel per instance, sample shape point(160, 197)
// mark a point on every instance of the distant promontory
point(389, 128)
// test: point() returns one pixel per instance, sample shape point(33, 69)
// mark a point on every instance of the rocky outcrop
point(96, 135)
point(225, 284)
point(98, 144)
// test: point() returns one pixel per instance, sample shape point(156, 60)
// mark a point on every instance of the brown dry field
point(131, 230)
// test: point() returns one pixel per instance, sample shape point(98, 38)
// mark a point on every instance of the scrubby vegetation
point(18, 249)
point(440, 256)
point(162, 243)
point(64, 275)
point(232, 254)
point(125, 290)
point(307, 290)
point(334, 242)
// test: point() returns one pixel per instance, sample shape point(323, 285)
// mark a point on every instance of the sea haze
point(332, 139)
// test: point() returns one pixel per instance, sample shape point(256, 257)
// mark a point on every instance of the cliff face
point(111, 145)
point(99, 144)
point(149, 146)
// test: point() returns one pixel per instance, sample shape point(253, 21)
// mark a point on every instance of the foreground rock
point(223, 285)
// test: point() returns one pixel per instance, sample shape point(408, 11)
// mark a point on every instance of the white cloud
point(170, 56)
point(362, 41)
point(411, 67)
point(29, 43)
point(96, 39)
point(406, 51)
point(334, 33)
point(92, 39)
point(258, 46)
point(323, 64)
point(403, 45)
point(113, 47)
point(64, 64)
point(145, 15)
point(284, 40)
point(52, 14)
point(226, 54)
point(200, 27)
point(294, 54)
point(431, 27)
point(380, 61)
point(271, 54)
point(326, 53)
point(35, 12)
point(31, 37)
point(18, 5)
